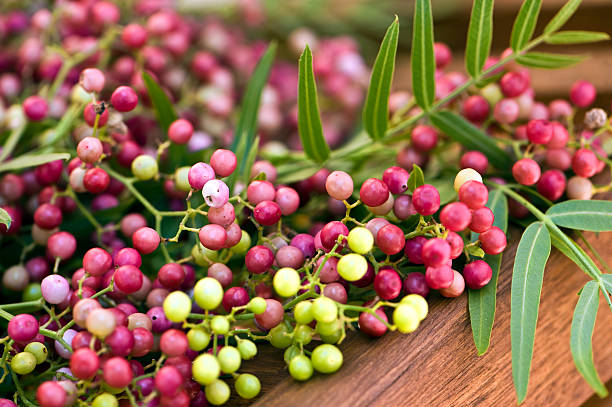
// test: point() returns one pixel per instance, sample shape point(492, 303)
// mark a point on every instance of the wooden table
point(438, 364)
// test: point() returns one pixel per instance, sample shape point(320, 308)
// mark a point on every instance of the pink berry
point(482, 220)
point(145, 240)
point(387, 283)
point(92, 80)
point(426, 200)
point(539, 131)
point(180, 131)
point(526, 171)
point(390, 239)
point(424, 138)
point(455, 216)
point(213, 237)
point(89, 150)
point(128, 279)
point(35, 108)
point(506, 111)
point(439, 277)
point(583, 93)
point(435, 252)
point(584, 163)
point(62, 245)
point(259, 191)
point(476, 109)
point(493, 241)
point(514, 84)
point(288, 200)
point(124, 99)
point(215, 193)
point(442, 54)
point(339, 185)
point(373, 192)
point(199, 174)
point(55, 289)
point(396, 179)
point(223, 162)
point(559, 137)
point(474, 194)
point(456, 244)
point(51, 394)
point(23, 328)
point(477, 274)
point(134, 35)
point(456, 288)
point(552, 184)
point(267, 213)
point(475, 160)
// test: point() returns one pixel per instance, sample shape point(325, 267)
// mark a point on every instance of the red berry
point(415, 283)
point(51, 394)
point(173, 343)
point(539, 131)
point(134, 35)
point(84, 363)
point(124, 99)
point(514, 84)
point(168, 380)
point(456, 244)
point(390, 239)
point(476, 109)
point(493, 241)
point(387, 283)
point(436, 252)
point(213, 236)
point(128, 279)
point(552, 184)
point(482, 220)
point(584, 163)
point(414, 248)
point(439, 277)
point(474, 194)
point(475, 160)
point(145, 240)
point(96, 180)
point(583, 93)
point(22, 328)
point(223, 162)
point(267, 213)
point(259, 259)
point(89, 114)
point(180, 131)
point(559, 137)
point(526, 171)
point(62, 245)
point(48, 216)
point(442, 54)
point(424, 138)
point(121, 341)
point(455, 216)
point(235, 297)
point(396, 179)
point(477, 274)
point(374, 192)
point(117, 372)
point(426, 200)
point(35, 108)
point(331, 232)
point(372, 326)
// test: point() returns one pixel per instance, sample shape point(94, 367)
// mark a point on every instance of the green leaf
point(525, 23)
point(482, 302)
point(293, 172)
point(607, 282)
point(12, 141)
point(583, 324)
point(446, 189)
point(564, 14)
point(5, 218)
point(577, 37)
point(527, 275)
point(422, 59)
point(547, 60)
point(479, 36)
point(376, 108)
point(161, 103)
point(246, 128)
point(416, 178)
point(462, 131)
point(31, 160)
point(309, 118)
point(592, 215)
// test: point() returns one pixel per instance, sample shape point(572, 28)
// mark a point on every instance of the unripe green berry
point(303, 312)
point(326, 358)
point(181, 179)
point(205, 369)
point(257, 305)
point(203, 256)
point(177, 306)
point(406, 318)
point(229, 359)
point(247, 386)
point(23, 363)
point(286, 282)
point(418, 303)
point(279, 337)
point(329, 328)
point(208, 293)
point(105, 400)
point(39, 350)
point(217, 392)
point(243, 245)
point(247, 349)
point(291, 352)
point(360, 240)
point(300, 368)
point(352, 266)
point(219, 325)
point(324, 309)
point(144, 167)
point(302, 334)
point(198, 339)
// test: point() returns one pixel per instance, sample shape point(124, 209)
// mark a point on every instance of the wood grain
point(438, 365)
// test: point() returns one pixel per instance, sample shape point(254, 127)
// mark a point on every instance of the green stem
point(18, 305)
point(12, 142)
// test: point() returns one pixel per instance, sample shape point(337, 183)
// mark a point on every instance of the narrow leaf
point(5, 218)
point(250, 160)
point(309, 118)
point(577, 37)
point(482, 302)
point(12, 141)
point(422, 59)
point(527, 275)
point(564, 14)
point(416, 178)
point(376, 109)
point(246, 128)
point(462, 131)
point(161, 104)
point(583, 324)
point(524, 24)
point(546, 60)
point(479, 36)
point(592, 215)
point(31, 160)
